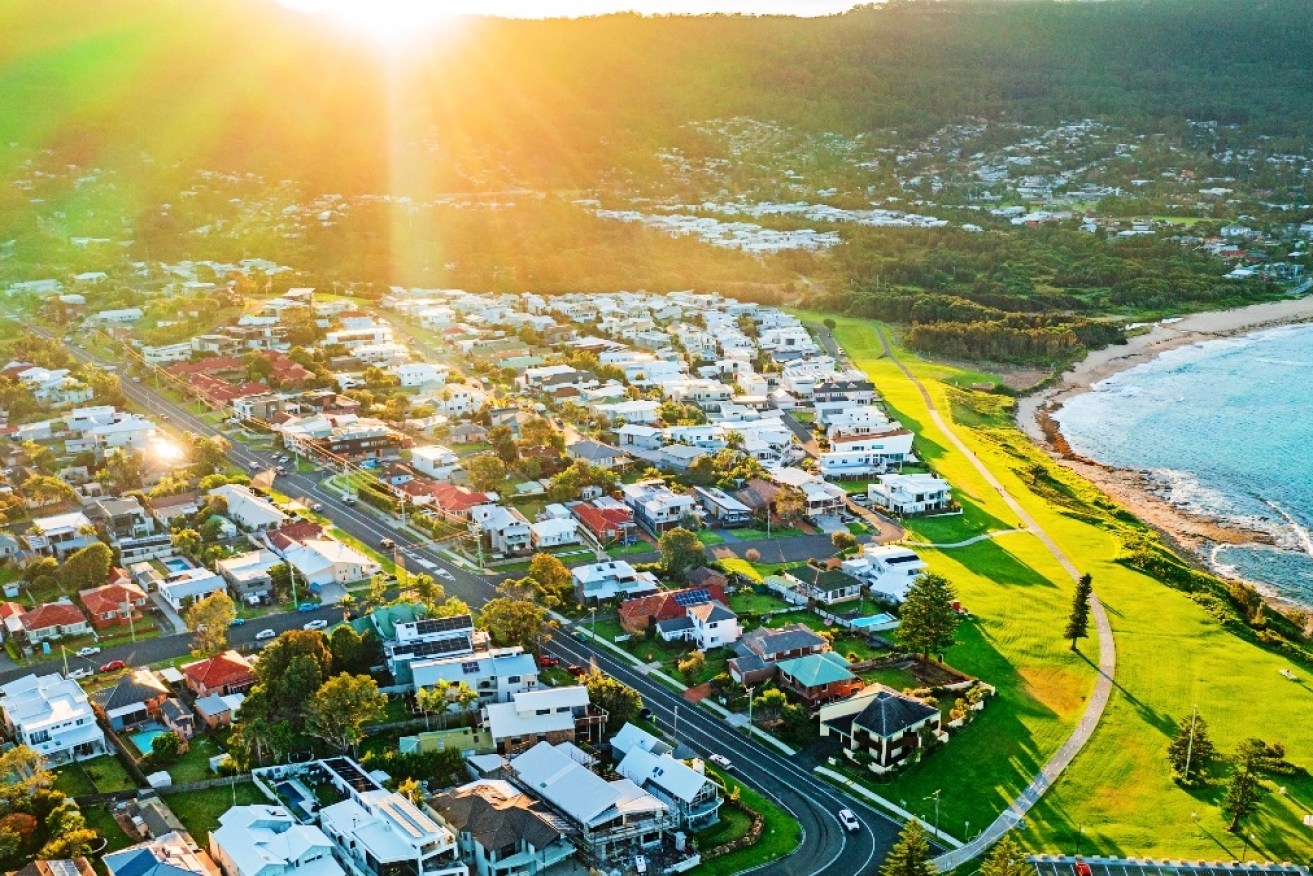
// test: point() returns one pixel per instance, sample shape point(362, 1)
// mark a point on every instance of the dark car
point(114, 666)
point(546, 662)
point(576, 670)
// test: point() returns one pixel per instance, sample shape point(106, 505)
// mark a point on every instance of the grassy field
point(1171, 656)
point(199, 811)
point(780, 836)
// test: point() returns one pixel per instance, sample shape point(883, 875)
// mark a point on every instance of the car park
point(849, 821)
point(317, 624)
point(721, 761)
point(88, 651)
point(264, 634)
point(113, 666)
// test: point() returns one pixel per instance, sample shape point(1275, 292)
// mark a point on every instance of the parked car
point(646, 714)
point(114, 666)
point(316, 624)
point(282, 470)
point(546, 661)
point(237, 622)
point(264, 634)
point(576, 670)
point(721, 761)
point(88, 651)
point(348, 500)
point(849, 821)
point(80, 672)
point(386, 544)
point(1081, 868)
point(316, 506)
point(307, 606)
point(443, 573)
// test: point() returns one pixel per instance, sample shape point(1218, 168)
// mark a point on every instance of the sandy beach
point(1192, 533)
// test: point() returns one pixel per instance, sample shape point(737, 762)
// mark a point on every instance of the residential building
point(611, 579)
point(345, 435)
point(693, 798)
point(268, 841)
point(51, 715)
point(757, 652)
point(722, 508)
point(610, 822)
point(656, 507)
point(428, 638)
point(177, 717)
point(53, 620)
point(247, 575)
point(709, 624)
point(596, 454)
point(496, 676)
point(130, 701)
point(608, 520)
point(121, 518)
point(173, 854)
point(862, 455)
point(907, 494)
point(501, 831)
point(438, 462)
point(60, 535)
point(554, 532)
point(506, 528)
point(888, 570)
point(639, 615)
point(249, 511)
point(561, 714)
point(181, 589)
point(113, 604)
point(221, 675)
point(819, 497)
point(817, 678)
point(218, 711)
point(321, 561)
point(450, 502)
point(881, 728)
point(826, 586)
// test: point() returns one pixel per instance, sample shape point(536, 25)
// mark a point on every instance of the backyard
point(199, 811)
point(99, 775)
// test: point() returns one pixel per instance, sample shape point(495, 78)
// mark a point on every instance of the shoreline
point(1191, 534)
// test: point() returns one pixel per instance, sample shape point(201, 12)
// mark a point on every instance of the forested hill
point(249, 85)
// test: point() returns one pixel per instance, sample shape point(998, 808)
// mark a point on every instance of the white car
point(316, 506)
point(849, 821)
point(82, 672)
point(721, 761)
point(265, 634)
point(318, 624)
point(89, 651)
point(443, 573)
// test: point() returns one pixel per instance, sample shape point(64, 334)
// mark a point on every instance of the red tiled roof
point(225, 669)
point(447, 496)
point(11, 609)
point(295, 532)
point(208, 365)
point(120, 576)
point(634, 613)
point(52, 614)
point(602, 519)
point(110, 598)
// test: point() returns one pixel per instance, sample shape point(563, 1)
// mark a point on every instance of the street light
point(1079, 836)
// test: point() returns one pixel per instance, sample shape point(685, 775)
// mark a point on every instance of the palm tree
point(428, 700)
point(254, 737)
point(347, 603)
point(466, 697)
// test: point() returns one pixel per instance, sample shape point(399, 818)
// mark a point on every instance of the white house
point(656, 507)
point(911, 493)
point(52, 715)
point(641, 411)
point(434, 460)
point(496, 675)
point(691, 796)
point(192, 584)
point(507, 529)
point(61, 534)
point(248, 510)
point(599, 582)
point(381, 833)
point(554, 532)
point(707, 624)
point(861, 455)
point(320, 561)
point(268, 841)
point(887, 569)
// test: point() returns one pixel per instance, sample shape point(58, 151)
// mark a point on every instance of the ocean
point(1225, 429)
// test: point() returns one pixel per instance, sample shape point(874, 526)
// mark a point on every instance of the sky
point(421, 9)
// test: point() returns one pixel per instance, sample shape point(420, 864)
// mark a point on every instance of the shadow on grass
point(1159, 721)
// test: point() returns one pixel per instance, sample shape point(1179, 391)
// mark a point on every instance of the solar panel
point(470, 668)
point(444, 624)
point(426, 649)
point(692, 597)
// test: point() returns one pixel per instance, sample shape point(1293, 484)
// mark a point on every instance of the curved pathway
point(1098, 701)
point(968, 541)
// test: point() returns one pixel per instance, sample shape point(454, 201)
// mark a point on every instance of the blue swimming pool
point(875, 620)
point(143, 737)
point(176, 564)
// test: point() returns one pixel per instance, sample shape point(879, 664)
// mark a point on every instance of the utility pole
point(674, 731)
point(1189, 746)
point(751, 691)
point(132, 626)
point(935, 797)
point(64, 654)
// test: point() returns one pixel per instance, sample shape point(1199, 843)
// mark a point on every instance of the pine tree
point(927, 615)
point(1007, 859)
point(1243, 790)
point(1191, 750)
point(910, 856)
point(1078, 622)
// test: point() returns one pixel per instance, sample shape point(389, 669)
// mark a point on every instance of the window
point(513, 679)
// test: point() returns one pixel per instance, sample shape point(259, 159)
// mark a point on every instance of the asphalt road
point(826, 848)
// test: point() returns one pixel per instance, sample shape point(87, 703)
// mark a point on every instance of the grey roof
point(675, 624)
point(766, 642)
point(137, 687)
point(593, 450)
point(890, 713)
point(173, 709)
point(711, 611)
point(493, 819)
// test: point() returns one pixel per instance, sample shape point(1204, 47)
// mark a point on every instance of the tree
point(209, 621)
point(910, 855)
point(22, 773)
point(503, 443)
point(352, 652)
point(681, 552)
point(465, 698)
point(429, 592)
point(339, 710)
point(165, 749)
point(87, 567)
point(209, 454)
point(485, 472)
point(1078, 622)
point(790, 504)
point(76, 843)
point(121, 472)
point(40, 457)
point(1190, 751)
point(44, 490)
point(769, 706)
point(280, 578)
point(1007, 859)
point(187, 542)
point(290, 669)
point(829, 324)
point(411, 790)
point(512, 621)
point(843, 540)
point(928, 619)
point(555, 585)
point(621, 702)
point(692, 665)
point(1244, 789)
point(433, 699)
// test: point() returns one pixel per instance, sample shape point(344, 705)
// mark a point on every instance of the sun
point(382, 19)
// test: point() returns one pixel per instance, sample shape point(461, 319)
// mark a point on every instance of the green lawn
point(100, 819)
point(756, 603)
point(624, 550)
point(710, 537)
point(73, 781)
point(199, 811)
point(780, 836)
point(195, 764)
point(1171, 656)
point(891, 677)
point(668, 654)
point(753, 533)
point(107, 774)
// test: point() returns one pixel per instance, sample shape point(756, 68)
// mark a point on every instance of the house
point(218, 711)
point(132, 700)
point(888, 570)
point(113, 604)
point(722, 508)
point(693, 798)
point(907, 494)
point(552, 715)
point(11, 614)
point(173, 854)
point(554, 532)
point(757, 652)
point(223, 674)
point(607, 520)
point(861, 455)
point(496, 676)
point(656, 507)
point(817, 678)
point(60, 535)
point(56, 866)
point(709, 624)
point(609, 579)
point(249, 511)
point(121, 518)
point(181, 589)
point(507, 529)
point(499, 830)
point(639, 615)
point(51, 715)
point(168, 508)
point(268, 841)
point(596, 454)
point(819, 496)
point(54, 620)
point(247, 575)
point(826, 586)
point(420, 638)
point(436, 461)
point(641, 437)
point(881, 728)
point(451, 503)
point(177, 717)
point(320, 561)
point(610, 822)
point(467, 433)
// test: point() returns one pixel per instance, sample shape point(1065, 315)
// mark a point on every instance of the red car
point(114, 666)
point(1080, 868)
point(545, 662)
point(576, 670)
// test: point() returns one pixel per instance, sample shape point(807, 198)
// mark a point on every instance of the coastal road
point(825, 847)
point(1098, 700)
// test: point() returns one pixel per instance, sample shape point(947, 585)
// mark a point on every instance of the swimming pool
point(176, 564)
point(143, 738)
point(875, 622)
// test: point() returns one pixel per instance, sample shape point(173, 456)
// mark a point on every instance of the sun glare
point(382, 19)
